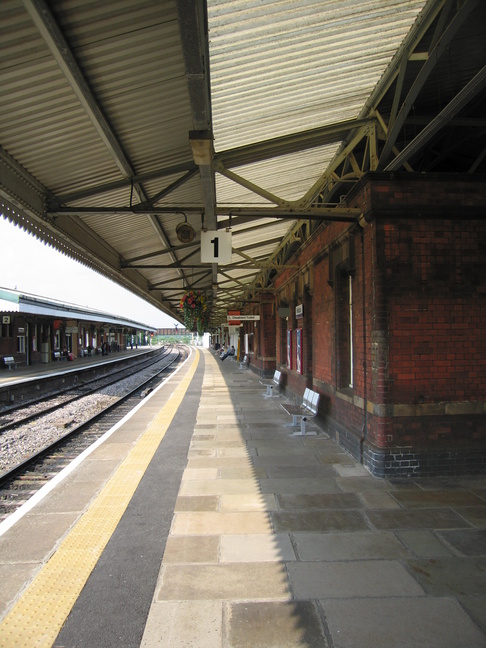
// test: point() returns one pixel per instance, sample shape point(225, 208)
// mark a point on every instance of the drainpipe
point(364, 431)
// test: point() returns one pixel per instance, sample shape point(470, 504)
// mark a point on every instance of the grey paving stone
point(470, 542)
point(324, 521)
point(275, 625)
point(237, 581)
point(401, 623)
point(432, 518)
point(302, 486)
point(188, 624)
point(448, 498)
point(361, 545)
point(365, 578)
point(476, 608)
point(475, 515)
point(320, 501)
point(424, 543)
point(451, 576)
point(295, 472)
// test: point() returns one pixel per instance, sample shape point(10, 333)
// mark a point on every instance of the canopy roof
point(127, 128)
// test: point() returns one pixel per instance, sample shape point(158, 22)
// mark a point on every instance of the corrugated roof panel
point(282, 66)
point(286, 176)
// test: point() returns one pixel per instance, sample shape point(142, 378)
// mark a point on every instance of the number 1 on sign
point(216, 246)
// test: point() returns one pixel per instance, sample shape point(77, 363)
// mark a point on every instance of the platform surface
point(202, 522)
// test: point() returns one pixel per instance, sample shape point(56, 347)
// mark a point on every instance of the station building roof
point(128, 128)
point(12, 301)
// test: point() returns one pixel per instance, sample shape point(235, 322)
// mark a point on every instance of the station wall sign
point(245, 318)
point(216, 246)
point(299, 311)
point(234, 318)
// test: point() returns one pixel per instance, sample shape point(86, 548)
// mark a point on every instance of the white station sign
point(216, 246)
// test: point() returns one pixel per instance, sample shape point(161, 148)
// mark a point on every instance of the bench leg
point(295, 422)
point(302, 429)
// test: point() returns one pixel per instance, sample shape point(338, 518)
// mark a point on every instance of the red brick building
point(386, 320)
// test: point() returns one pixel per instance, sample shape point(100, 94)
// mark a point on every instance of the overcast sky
point(30, 266)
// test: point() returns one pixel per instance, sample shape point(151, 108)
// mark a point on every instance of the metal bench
point(244, 363)
point(57, 355)
point(270, 384)
point(307, 409)
point(10, 362)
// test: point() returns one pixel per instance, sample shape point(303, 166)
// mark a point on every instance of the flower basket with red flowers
point(194, 307)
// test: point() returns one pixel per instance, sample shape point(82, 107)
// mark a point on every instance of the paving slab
point(354, 579)
point(197, 503)
point(361, 545)
point(449, 498)
point(219, 487)
point(275, 625)
point(475, 606)
point(319, 501)
point(323, 521)
point(184, 624)
point(192, 549)
point(256, 548)
point(401, 623)
point(475, 515)
point(257, 502)
point(424, 543)
point(430, 518)
point(200, 523)
point(451, 576)
point(470, 542)
point(302, 486)
point(232, 581)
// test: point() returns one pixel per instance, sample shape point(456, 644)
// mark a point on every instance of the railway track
point(23, 412)
point(24, 478)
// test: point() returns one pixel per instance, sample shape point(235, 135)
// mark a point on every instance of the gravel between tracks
point(20, 443)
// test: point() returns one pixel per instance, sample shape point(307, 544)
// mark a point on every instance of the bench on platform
point(57, 355)
point(10, 362)
point(307, 409)
point(244, 363)
point(271, 384)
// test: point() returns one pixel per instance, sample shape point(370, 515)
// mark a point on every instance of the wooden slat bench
point(307, 409)
point(271, 384)
point(10, 362)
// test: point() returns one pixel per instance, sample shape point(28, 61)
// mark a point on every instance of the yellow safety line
point(37, 618)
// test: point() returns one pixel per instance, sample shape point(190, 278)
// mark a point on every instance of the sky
point(30, 266)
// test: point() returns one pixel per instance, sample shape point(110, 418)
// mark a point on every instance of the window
point(21, 344)
point(344, 329)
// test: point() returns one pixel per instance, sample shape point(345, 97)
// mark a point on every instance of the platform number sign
point(215, 246)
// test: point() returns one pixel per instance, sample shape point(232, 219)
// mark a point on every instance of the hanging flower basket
point(194, 307)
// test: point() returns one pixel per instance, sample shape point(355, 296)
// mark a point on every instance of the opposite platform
point(241, 535)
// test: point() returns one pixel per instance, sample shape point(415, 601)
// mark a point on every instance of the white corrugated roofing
point(102, 100)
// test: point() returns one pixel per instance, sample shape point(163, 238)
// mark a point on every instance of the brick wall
point(418, 310)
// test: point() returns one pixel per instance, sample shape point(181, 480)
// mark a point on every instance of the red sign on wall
point(235, 321)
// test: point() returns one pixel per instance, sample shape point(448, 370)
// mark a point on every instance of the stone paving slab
point(431, 518)
point(450, 499)
point(188, 624)
point(405, 623)
point(363, 545)
point(275, 625)
point(353, 579)
point(470, 542)
point(290, 543)
point(424, 543)
point(451, 576)
point(324, 521)
point(256, 548)
point(231, 581)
